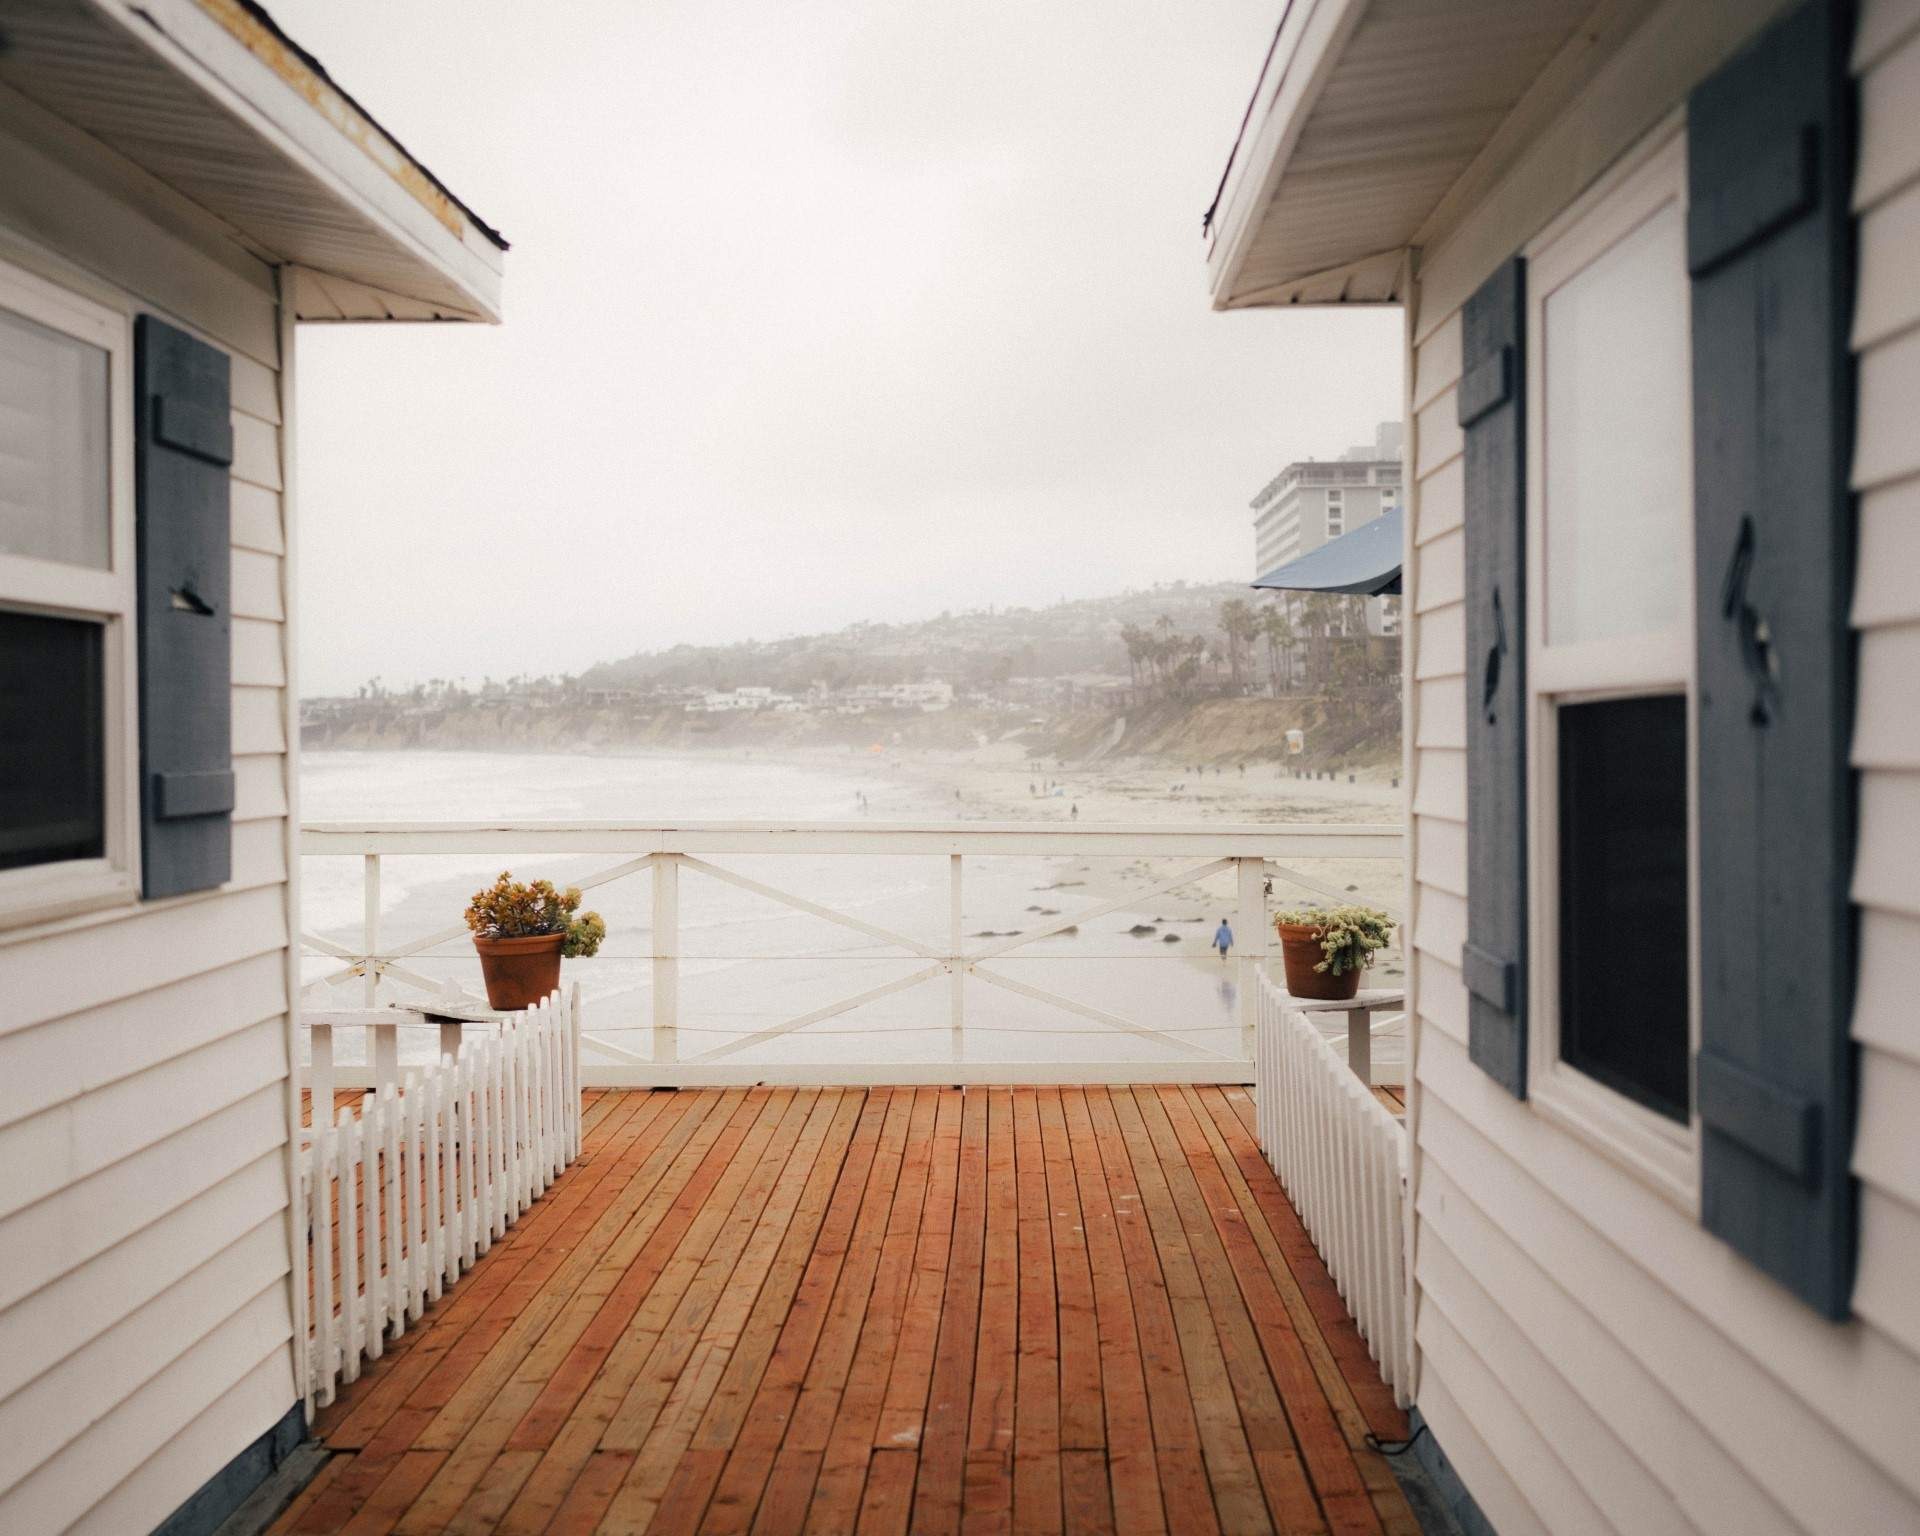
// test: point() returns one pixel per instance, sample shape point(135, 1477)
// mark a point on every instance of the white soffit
point(212, 100)
point(1367, 113)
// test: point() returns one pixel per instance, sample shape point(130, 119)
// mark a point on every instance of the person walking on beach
point(1223, 938)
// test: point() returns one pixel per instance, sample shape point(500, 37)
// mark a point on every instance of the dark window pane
point(52, 757)
point(1623, 897)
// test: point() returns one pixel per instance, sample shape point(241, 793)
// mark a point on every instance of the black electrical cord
point(1394, 1447)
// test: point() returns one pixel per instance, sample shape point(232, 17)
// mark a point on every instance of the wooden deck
point(843, 1311)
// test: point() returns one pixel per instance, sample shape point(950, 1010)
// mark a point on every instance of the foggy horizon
point(810, 320)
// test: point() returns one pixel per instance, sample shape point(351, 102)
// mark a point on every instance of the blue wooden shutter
point(1770, 251)
point(1492, 399)
point(184, 443)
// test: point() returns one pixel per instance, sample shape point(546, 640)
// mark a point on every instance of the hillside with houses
point(1185, 670)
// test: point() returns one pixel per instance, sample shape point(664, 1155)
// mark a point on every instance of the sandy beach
point(748, 964)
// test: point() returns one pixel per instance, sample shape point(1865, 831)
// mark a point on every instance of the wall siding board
point(1490, 1406)
point(43, 1242)
point(1884, 1293)
point(80, 1054)
point(256, 451)
point(1887, 726)
point(41, 1418)
point(56, 1320)
point(1437, 364)
point(258, 657)
point(1613, 1478)
point(77, 1139)
point(1443, 645)
point(1886, 448)
point(199, 1449)
point(256, 519)
point(63, 1488)
point(259, 854)
point(1889, 149)
point(1885, 873)
point(1442, 852)
point(259, 786)
point(1883, 26)
point(1709, 1488)
point(1441, 783)
point(259, 721)
point(256, 586)
point(1885, 591)
point(1442, 501)
point(1884, 1015)
point(1440, 925)
point(1886, 1152)
point(1496, 1494)
point(1443, 996)
point(1443, 571)
point(1439, 436)
point(1888, 301)
point(1832, 1435)
point(85, 968)
point(1443, 713)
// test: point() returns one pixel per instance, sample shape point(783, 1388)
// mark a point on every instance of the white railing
point(1342, 1158)
point(678, 1050)
point(410, 1191)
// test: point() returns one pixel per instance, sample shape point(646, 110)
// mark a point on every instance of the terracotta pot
point(1300, 952)
point(520, 972)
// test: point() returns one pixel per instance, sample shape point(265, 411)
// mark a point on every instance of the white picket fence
point(423, 1180)
point(1342, 1157)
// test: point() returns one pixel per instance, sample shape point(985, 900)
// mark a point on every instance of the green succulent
point(1348, 935)
point(515, 909)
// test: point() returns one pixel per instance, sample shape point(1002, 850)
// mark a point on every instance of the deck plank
point(1046, 1310)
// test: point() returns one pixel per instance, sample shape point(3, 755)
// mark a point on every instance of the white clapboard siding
point(62, 1059)
point(462, 1150)
point(39, 1420)
point(1343, 1160)
point(236, 1417)
point(61, 1489)
point(146, 1317)
point(256, 520)
point(39, 1332)
point(43, 1241)
point(1588, 1356)
point(76, 1139)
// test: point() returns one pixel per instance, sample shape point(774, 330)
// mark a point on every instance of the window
point(67, 644)
point(1336, 513)
point(1609, 670)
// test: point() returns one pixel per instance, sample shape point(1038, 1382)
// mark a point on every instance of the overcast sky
point(816, 312)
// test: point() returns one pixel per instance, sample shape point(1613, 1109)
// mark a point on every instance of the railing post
point(956, 961)
point(320, 1075)
point(370, 938)
point(666, 957)
point(1253, 941)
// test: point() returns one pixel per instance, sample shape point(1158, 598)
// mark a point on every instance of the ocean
point(750, 965)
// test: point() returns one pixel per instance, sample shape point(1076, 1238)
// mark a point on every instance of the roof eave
point(227, 51)
point(1312, 36)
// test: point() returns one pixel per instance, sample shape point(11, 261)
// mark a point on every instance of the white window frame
point(42, 892)
point(1651, 1146)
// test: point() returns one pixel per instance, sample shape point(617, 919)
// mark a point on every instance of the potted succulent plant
point(1325, 949)
point(521, 932)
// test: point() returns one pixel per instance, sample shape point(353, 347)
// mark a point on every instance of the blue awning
point(1365, 562)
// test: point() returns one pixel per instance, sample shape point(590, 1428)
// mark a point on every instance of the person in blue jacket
point(1223, 938)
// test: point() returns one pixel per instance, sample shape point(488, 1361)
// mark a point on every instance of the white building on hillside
point(1308, 503)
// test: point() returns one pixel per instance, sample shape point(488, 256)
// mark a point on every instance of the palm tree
point(1277, 630)
point(1240, 624)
